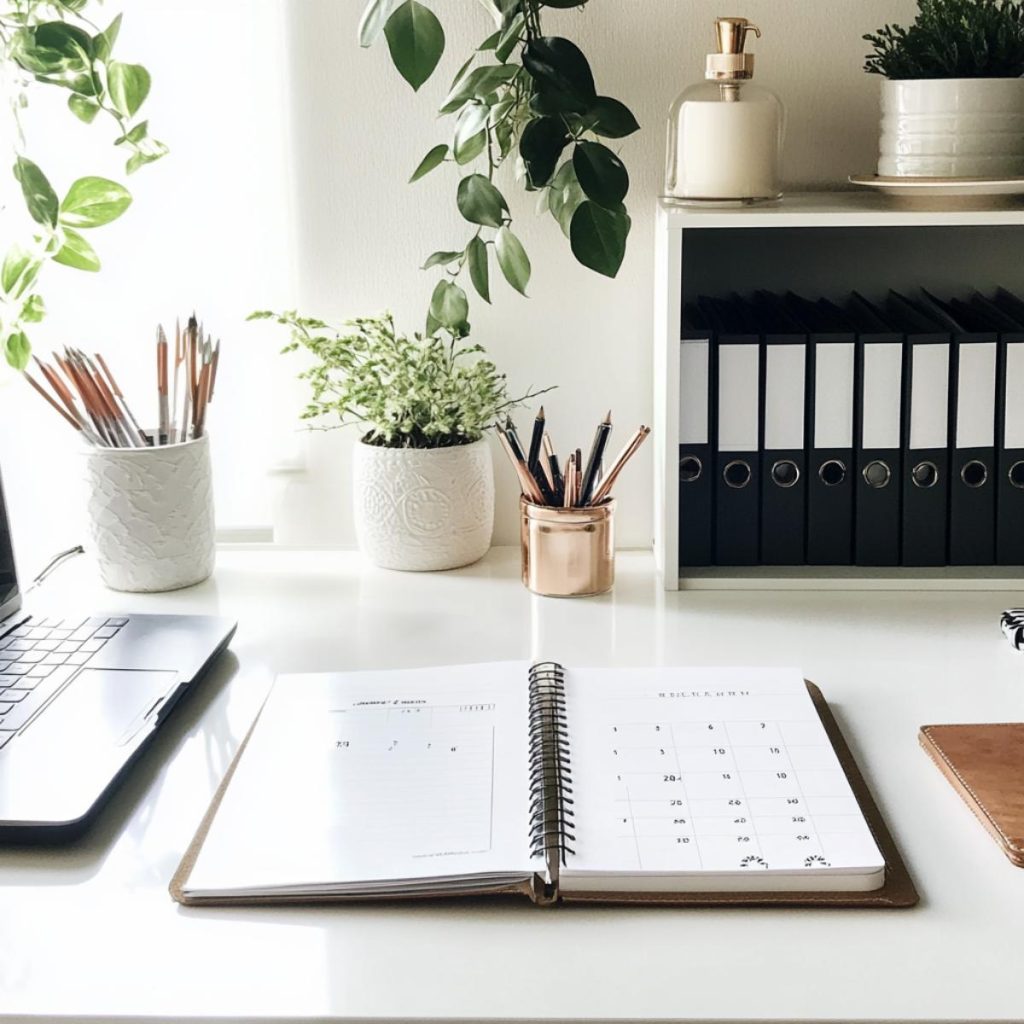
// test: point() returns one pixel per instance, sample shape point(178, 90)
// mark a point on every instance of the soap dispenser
point(725, 134)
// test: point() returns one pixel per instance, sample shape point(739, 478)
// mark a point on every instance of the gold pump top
point(731, 63)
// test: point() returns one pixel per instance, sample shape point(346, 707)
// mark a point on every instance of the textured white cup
point(151, 515)
point(422, 509)
point(952, 128)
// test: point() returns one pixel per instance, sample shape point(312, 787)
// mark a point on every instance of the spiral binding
point(551, 813)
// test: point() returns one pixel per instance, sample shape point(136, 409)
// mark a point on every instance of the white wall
point(359, 131)
point(287, 187)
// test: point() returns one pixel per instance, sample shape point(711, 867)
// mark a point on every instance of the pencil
point(535, 439)
point(49, 398)
point(557, 483)
point(164, 430)
point(527, 484)
point(604, 429)
point(619, 464)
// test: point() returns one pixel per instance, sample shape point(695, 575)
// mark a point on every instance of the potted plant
point(953, 99)
point(423, 479)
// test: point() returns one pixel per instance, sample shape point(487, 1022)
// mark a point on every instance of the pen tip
point(608, 418)
point(540, 415)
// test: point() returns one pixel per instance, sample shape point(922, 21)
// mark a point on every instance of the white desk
point(91, 932)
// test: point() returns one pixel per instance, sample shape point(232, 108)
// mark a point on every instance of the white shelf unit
point(819, 244)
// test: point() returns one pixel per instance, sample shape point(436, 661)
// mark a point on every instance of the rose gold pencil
point(619, 464)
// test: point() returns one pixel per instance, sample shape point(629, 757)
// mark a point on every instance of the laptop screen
point(9, 601)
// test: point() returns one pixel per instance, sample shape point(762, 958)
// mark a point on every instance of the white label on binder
point(693, 391)
point(784, 396)
point(929, 397)
point(976, 396)
point(883, 394)
point(1014, 436)
point(738, 406)
point(833, 395)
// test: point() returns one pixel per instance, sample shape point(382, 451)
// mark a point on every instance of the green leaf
point(433, 325)
point(598, 237)
point(564, 196)
point(77, 252)
point(103, 44)
point(33, 309)
point(450, 307)
point(441, 259)
point(468, 151)
point(371, 24)
point(561, 73)
point(479, 271)
point(471, 121)
point(128, 86)
point(146, 152)
point(134, 135)
point(477, 84)
point(19, 271)
point(433, 159)
point(540, 146)
point(17, 350)
point(40, 198)
point(93, 202)
point(480, 202)
point(512, 259)
point(72, 42)
point(416, 41)
point(601, 173)
point(84, 109)
point(610, 118)
point(510, 38)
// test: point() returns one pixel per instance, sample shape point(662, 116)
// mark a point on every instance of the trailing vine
point(55, 43)
point(526, 94)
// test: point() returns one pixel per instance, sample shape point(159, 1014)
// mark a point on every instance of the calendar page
point(698, 772)
point(378, 781)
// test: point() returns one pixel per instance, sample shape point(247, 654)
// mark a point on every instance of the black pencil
point(538, 432)
point(604, 428)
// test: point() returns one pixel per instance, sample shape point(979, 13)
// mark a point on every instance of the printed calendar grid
point(793, 834)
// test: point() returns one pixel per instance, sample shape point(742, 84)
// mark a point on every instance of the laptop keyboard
point(38, 656)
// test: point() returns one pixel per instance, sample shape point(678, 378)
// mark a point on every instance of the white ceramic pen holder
point(151, 515)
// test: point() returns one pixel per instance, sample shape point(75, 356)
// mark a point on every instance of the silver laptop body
point(79, 697)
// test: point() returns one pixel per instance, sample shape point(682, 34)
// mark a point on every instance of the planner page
point(708, 779)
point(377, 782)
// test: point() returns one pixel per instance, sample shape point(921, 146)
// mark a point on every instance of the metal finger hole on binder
point(736, 474)
point(974, 473)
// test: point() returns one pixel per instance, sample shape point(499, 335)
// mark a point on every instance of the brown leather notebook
point(548, 709)
point(985, 764)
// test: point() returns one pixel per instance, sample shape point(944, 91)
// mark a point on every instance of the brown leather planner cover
point(897, 892)
point(985, 765)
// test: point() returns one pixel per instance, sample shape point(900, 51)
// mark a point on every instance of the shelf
point(834, 209)
point(844, 577)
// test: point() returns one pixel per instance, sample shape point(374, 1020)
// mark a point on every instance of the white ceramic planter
point(151, 515)
point(952, 128)
point(423, 509)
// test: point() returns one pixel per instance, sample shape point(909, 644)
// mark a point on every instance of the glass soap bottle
point(725, 134)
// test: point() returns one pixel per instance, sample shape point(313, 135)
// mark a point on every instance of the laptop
point(80, 695)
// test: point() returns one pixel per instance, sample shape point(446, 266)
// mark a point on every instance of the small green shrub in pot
point(953, 101)
point(423, 478)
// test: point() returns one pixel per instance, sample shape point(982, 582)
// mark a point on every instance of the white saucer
point(952, 191)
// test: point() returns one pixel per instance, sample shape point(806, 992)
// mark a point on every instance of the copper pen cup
point(568, 552)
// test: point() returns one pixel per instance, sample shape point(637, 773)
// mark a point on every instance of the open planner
point(665, 785)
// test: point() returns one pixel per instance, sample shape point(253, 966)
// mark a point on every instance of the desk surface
point(90, 931)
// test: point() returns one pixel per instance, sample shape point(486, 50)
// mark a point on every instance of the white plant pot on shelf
point(151, 515)
point(952, 128)
point(424, 509)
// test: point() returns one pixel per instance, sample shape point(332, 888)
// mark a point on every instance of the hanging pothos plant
point(54, 42)
point(521, 92)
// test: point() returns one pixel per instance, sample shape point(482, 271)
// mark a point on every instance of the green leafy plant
point(418, 392)
point(54, 43)
point(953, 39)
point(520, 93)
